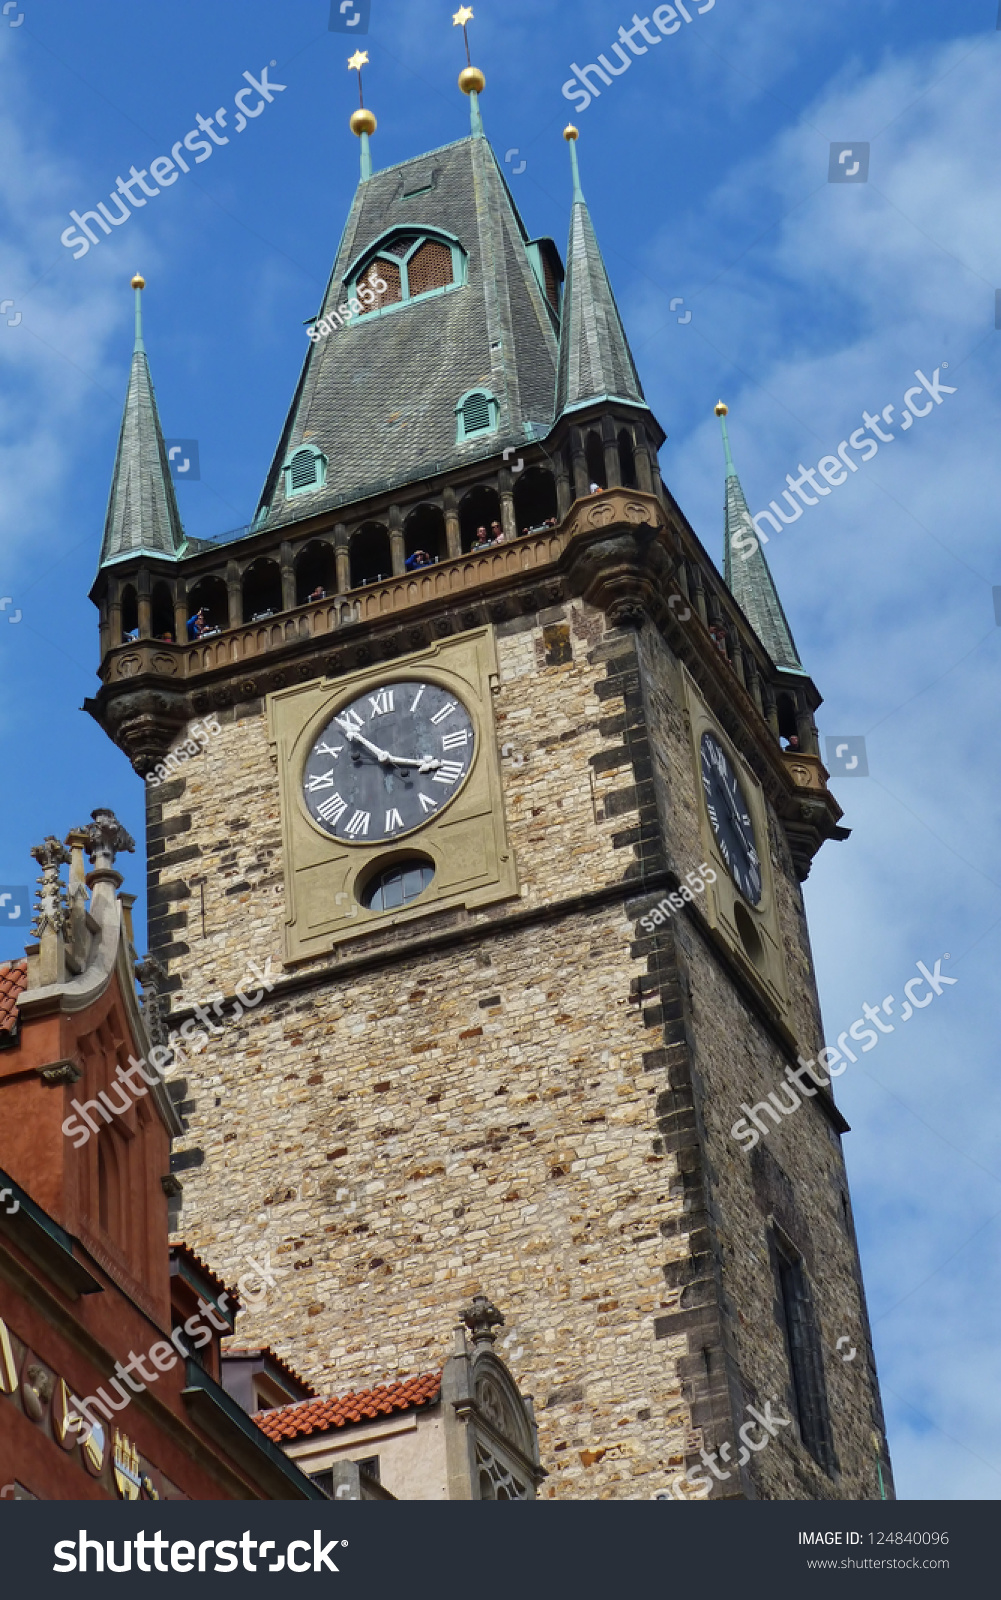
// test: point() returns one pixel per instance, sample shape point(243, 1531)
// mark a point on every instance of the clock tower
point(467, 745)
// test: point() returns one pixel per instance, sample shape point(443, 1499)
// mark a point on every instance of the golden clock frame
point(752, 933)
point(467, 842)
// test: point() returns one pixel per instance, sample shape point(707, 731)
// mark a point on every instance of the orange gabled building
point(109, 1341)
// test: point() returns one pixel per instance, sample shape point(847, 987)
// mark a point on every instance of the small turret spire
point(363, 121)
point(471, 79)
point(142, 516)
point(747, 572)
point(595, 360)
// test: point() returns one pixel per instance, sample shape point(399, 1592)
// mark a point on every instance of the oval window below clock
point(396, 886)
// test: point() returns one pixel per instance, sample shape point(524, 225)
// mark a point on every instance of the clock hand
point(423, 763)
point(380, 755)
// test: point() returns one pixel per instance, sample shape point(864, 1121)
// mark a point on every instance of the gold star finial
point(358, 60)
point(462, 16)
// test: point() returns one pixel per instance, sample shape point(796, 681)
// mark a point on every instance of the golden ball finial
point(363, 121)
point(721, 409)
point(470, 79)
point(570, 132)
point(138, 282)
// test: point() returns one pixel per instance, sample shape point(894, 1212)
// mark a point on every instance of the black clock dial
point(730, 819)
point(388, 762)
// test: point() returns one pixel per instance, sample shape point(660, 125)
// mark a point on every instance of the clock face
point(730, 819)
point(388, 762)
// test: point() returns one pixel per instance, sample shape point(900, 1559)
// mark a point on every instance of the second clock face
point(388, 762)
point(730, 819)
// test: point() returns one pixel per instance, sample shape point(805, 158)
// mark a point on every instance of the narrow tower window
point(805, 1360)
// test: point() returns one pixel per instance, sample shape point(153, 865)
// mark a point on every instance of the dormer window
point(408, 266)
point(477, 413)
point(305, 470)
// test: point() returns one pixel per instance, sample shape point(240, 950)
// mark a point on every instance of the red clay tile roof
point(363, 1405)
point(264, 1352)
point(13, 981)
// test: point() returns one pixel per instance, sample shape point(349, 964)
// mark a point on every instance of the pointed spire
point(363, 121)
point(471, 79)
point(747, 573)
point(142, 514)
point(595, 359)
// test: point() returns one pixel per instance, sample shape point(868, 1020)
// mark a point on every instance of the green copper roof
point(595, 359)
point(747, 575)
point(142, 513)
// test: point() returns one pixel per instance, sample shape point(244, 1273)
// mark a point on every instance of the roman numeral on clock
point(329, 750)
point(449, 772)
point(454, 741)
point(358, 824)
point(381, 703)
point(393, 821)
point(320, 780)
point(332, 810)
point(350, 721)
point(427, 804)
point(446, 711)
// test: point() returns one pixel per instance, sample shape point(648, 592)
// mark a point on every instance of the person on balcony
point(482, 539)
point(420, 558)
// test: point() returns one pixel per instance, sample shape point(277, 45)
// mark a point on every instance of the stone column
point(288, 575)
point(610, 446)
point(806, 728)
point(564, 489)
point(580, 477)
point(115, 612)
point(505, 484)
point(145, 604)
point(342, 559)
point(453, 531)
point(234, 587)
point(181, 612)
point(641, 456)
point(397, 547)
point(699, 596)
point(771, 711)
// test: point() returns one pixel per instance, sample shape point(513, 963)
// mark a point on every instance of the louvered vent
point(303, 469)
point(476, 415)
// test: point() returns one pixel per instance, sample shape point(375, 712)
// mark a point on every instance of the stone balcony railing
point(377, 602)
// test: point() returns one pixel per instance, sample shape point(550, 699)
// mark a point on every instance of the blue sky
point(706, 169)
